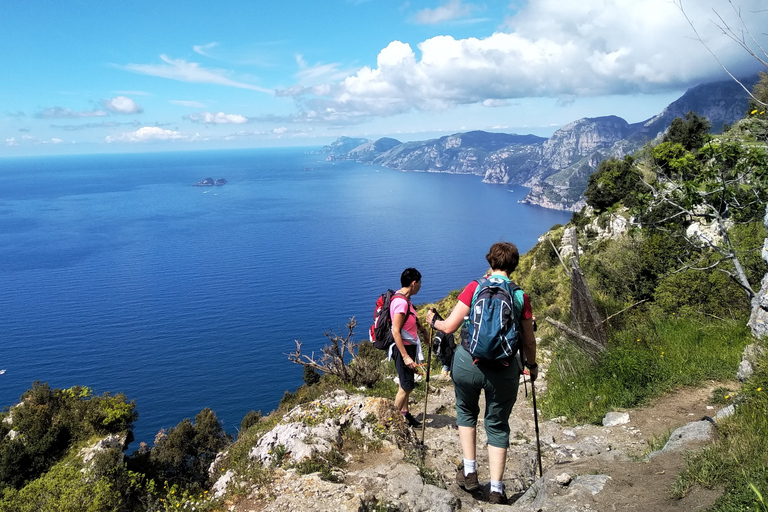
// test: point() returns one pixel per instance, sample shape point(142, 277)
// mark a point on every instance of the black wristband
point(531, 366)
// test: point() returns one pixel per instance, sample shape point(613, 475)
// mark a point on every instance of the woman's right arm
point(453, 322)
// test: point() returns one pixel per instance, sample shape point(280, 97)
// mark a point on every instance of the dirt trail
point(585, 450)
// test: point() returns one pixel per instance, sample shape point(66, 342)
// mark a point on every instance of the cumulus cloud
point(216, 118)
point(122, 105)
point(147, 134)
point(65, 113)
point(451, 10)
point(183, 71)
point(547, 49)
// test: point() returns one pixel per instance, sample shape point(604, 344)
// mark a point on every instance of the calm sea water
point(118, 274)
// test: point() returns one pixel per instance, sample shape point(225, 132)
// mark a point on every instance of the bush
point(183, 455)
point(249, 420)
point(48, 422)
point(614, 181)
point(311, 376)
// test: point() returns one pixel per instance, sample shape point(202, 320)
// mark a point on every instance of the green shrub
point(614, 181)
point(49, 421)
point(249, 420)
point(184, 454)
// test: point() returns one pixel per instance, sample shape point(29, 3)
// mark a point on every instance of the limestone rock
point(613, 419)
point(220, 486)
point(693, 433)
point(547, 494)
point(725, 412)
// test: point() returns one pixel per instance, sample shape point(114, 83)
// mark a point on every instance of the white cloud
point(193, 104)
point(216, 118)
point(122, 105)
point(65, 113)
point(549, 49)
point(202, 49)
point(451, 10)
point(147, 134)
point(494, 103)
point(31, 140)
point(183, 71)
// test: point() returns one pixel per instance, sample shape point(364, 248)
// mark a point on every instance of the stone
point(613, 419)
point(693, 433)
point(725, 412)
point(112, 441)
point(563, 479)
point(219, 488)
point(744, 371)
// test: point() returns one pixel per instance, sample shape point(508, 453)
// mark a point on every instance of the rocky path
point(586, 467)
point(582, 451)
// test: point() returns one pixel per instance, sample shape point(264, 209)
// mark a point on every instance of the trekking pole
point(521, 365)
point(429, 365)
point(536, 423)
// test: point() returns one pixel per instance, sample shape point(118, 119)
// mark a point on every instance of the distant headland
point(210, 182)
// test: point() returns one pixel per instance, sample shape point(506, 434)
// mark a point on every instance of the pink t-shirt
point(409, 332)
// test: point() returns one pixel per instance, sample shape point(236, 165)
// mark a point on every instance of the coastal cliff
point(556, 169)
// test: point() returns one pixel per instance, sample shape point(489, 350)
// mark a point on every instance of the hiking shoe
point(468, 482)
point(411, 420)
point(498, 498)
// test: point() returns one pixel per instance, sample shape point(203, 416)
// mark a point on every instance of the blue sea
point(119, 275)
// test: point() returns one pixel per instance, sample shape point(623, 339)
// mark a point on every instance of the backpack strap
point(408, 309)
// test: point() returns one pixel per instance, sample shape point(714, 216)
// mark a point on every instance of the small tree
point(358, 370)
point(691, 133)
point(725, 185)
point(615, 180)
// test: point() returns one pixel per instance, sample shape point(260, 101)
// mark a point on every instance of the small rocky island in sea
point(210, 182)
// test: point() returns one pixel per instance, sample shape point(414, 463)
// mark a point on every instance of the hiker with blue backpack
point(496, 320)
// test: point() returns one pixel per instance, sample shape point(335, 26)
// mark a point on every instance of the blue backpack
point(490, 332)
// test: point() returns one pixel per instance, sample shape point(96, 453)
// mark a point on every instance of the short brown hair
point(503, 256)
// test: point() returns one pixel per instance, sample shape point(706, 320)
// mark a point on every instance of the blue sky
point(82, 76)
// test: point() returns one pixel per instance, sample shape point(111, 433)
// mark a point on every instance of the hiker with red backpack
point(497, 322)
point(405, 332)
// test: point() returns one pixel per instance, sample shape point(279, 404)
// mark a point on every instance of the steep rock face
point(463, 153)
point(579, 139)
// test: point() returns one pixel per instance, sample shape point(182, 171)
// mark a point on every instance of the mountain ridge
point(556, 169)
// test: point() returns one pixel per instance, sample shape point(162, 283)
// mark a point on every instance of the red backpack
point(380, 332)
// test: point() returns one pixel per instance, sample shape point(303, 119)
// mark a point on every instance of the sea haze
point(119, 275)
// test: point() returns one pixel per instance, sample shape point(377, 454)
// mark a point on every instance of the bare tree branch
point(728, 32)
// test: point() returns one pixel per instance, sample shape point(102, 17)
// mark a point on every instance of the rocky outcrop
point(758, 320)
point(210, 182)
